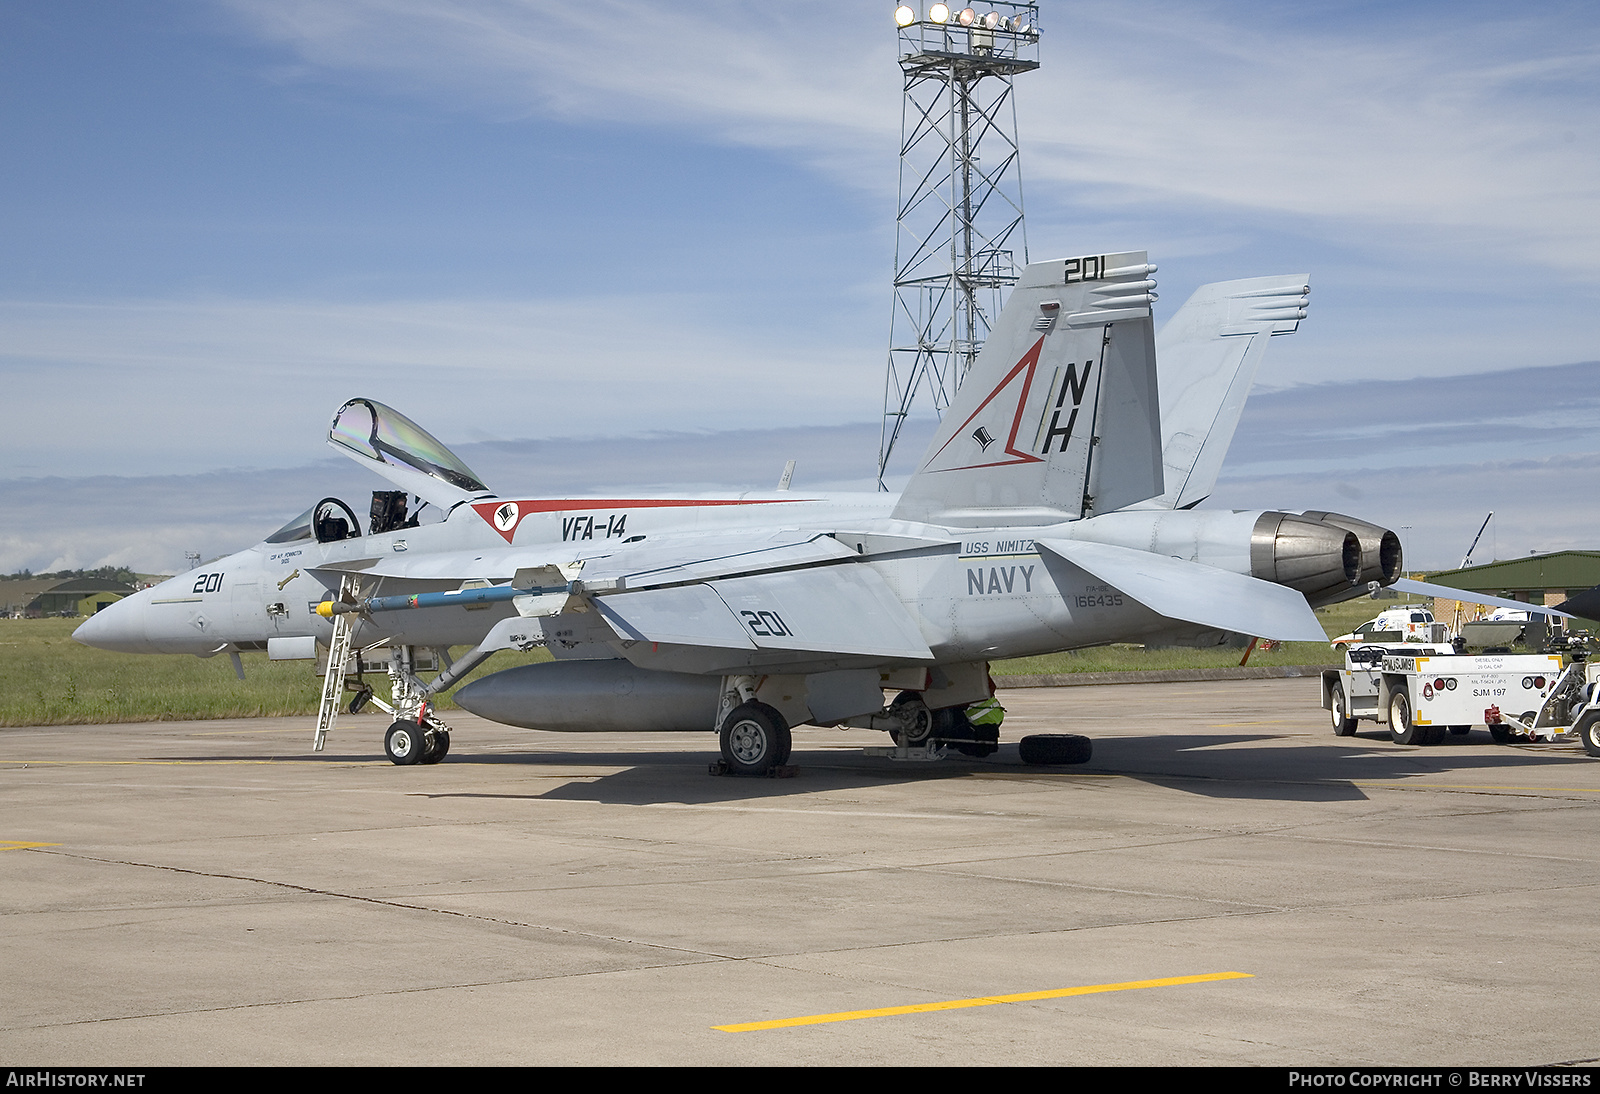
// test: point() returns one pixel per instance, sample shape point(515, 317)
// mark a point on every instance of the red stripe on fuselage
point(579, 504)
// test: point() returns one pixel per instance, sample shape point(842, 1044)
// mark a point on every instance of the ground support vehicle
point(1424, 692)
point(1572, 707)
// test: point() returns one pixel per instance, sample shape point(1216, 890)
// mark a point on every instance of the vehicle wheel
point(1343, 724)
point(405, 743)
point(1055, 748)
point(439, 749)
point(1400, 728)
point(1588, 730)
point(1460, 731)
point(755, 739)
point(1501, 733)
point(917, 720)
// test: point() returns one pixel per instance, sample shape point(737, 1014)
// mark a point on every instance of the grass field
point(48, 679)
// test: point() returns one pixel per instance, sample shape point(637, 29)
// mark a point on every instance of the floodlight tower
point(959, 218)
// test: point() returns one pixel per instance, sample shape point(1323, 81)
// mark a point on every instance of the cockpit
point(392, 445)
point(331, 520)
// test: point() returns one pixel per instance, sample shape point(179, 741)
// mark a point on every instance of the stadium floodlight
point(959, 229)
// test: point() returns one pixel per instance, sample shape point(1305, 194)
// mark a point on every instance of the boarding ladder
point(344, 628)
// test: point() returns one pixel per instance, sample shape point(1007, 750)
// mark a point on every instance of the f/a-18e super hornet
point(1053, 509)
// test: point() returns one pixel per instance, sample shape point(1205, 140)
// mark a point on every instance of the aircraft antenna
point(959, 215)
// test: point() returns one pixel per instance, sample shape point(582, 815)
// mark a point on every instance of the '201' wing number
point(766, 624)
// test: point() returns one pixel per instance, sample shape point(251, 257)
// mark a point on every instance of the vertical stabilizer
point(1059, 417)
point(1209, 353)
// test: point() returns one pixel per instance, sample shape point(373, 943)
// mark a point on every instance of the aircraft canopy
point(403, 452)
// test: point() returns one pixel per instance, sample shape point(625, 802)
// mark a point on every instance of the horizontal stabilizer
point(1467, 596)
point(1195, 593)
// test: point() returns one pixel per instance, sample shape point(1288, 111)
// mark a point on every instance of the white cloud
point(818, 78)
point(253, 383)
point(1467, 130)
point(1423, 128)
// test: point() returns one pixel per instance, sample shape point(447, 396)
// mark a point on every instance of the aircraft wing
point(1195, 593)
point(1445, 592)
point(719, 601)
point(844, 610)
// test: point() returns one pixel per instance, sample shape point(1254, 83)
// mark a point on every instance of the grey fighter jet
point(1052, 510)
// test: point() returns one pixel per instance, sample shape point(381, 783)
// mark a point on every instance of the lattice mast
point(960, 218)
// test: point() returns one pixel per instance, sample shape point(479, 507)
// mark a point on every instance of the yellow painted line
point(19, 845)
point(981, 1001)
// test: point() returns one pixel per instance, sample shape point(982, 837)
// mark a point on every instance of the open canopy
point(400, 450)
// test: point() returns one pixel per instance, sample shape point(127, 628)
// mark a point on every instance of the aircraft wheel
point(1400, 728)
point(1343, 724)
point(1460, 731)
point(405, 743)
point(985, 742)
point(439, 749)
point(1588, 730)
point(755, 739)
point(917, 720)
point(1055, 748)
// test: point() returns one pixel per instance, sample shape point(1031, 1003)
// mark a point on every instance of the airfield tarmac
point(215, 893)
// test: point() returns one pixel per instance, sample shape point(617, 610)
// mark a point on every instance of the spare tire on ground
point(1055, 748)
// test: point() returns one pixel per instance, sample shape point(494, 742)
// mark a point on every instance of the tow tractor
point(1422, 692)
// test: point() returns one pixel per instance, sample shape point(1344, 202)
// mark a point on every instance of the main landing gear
point(408, 743)
point(755, 739)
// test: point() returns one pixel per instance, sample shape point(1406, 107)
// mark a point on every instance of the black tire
point(1588, 731)
point(1343, 724)
point(1501, 733)
point(1401, 729)
point(922, 719)
point(755, 739)
point(405, 743)
point(1460, 731)
point(439, 747)
point(1055, 748)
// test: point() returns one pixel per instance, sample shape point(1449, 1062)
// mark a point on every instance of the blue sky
point(519, 221)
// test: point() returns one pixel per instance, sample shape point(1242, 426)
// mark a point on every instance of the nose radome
point(118, 627)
